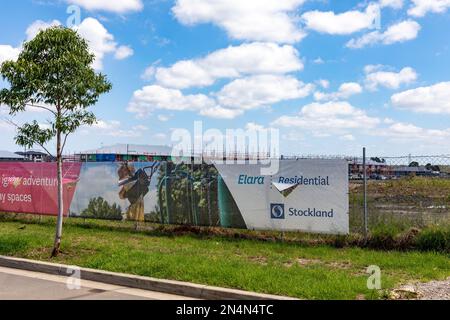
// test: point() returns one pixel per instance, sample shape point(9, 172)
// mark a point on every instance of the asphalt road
point(18, 284)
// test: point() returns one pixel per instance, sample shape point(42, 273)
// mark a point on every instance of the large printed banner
point(305, 195)
point(97, 190)
point(117, 190)
point(32, 187)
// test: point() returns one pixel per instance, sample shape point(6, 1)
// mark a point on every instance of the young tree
point(54, 73)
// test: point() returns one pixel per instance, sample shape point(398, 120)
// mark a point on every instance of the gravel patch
point(433, 290)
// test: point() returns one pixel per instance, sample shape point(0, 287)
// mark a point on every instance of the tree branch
point(64, 143)
point(34, 141)
point(41, 107)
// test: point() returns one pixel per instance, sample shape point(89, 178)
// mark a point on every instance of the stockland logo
point(277, 211)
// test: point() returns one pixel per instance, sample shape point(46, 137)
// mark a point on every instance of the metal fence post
point(366, 222)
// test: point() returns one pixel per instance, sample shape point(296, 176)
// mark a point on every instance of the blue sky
point(332, 76)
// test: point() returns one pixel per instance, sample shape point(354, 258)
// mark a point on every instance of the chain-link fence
point(401, 191)
point(408, 191)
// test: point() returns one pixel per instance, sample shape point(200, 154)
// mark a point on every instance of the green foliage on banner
point(99, 208)
point(191, 184)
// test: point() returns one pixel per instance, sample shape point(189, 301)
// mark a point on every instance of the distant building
point(126, 152)
point(9, 156)
point(35, 156)
point(417, 171)
point(373, 167)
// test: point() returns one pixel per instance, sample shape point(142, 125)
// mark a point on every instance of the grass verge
point(285, 268)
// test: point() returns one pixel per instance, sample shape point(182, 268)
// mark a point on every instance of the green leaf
point(53, 70)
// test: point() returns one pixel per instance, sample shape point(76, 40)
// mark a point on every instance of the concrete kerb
point(138, 282)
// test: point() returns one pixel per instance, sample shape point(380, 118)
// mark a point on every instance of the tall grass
point(389, 234)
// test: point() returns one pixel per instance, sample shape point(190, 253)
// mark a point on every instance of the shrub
point(434, 239)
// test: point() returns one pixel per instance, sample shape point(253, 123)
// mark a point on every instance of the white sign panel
point(305, 195)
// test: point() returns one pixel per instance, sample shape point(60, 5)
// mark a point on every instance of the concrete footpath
point(56, 276)
point(18, 284)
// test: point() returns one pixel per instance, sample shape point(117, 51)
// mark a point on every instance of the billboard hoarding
point(305, 195)
point(32, 187)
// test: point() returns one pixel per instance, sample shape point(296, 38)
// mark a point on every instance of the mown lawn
point(312, 272)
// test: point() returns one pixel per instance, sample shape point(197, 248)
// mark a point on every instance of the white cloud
point(183, 74)
point(140, 127)
point(395, 4)
point(348, 137)
point(123, 52)
point(434, 99)
point(231, 62)
point(421, 7)
point(8, 53)
point(318, 60)
point(150, 98)
point(106, 125)
point(4, 109)
point(406, 132)
point(219, 112)
point(113, 128)
point(345, 91)
point(264, 20)
point(6, 127)
point(390, 80)
point(293, 135)
point(400, 32)
point(232, 100)
point(38, 26)
point(342, 23)
point(116, 6)
point(149, 72)
point(163, 118)
point(327, 118)
point(373, 68)
point(323, 83)
point(160, 136)
point(252, 126)
point(101, 42)
point(255, 91)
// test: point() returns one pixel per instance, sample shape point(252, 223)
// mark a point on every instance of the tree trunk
point(59, 223)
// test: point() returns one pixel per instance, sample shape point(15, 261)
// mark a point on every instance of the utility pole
point(366, 220)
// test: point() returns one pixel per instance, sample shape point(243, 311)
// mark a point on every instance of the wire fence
point(408, 191)
point(403, 191)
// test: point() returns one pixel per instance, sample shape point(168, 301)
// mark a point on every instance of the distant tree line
point(429, 166)
point(378, 160)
